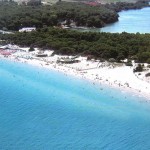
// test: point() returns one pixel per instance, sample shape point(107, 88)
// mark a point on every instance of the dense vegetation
point(85, 15)
point(13, 16)
point(126, 6)
point(17, 16)
point(97, 45)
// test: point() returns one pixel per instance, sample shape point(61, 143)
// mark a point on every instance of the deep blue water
point(44, 110)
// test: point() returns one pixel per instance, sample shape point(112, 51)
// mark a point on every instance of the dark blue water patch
point(42, 109)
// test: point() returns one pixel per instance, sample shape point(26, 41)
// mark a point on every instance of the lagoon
point(131, 21)
point(45, 109)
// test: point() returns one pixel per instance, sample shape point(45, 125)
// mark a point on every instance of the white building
point(27, 29)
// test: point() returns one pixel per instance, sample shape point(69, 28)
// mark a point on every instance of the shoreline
point(106, 75)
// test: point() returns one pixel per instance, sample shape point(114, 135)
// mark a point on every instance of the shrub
point(139, 68)
point(128, 64)
point(31, 49)
point(147, 75)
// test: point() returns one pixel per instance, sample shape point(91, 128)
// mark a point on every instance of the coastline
point(120, 77)
point(35, 106)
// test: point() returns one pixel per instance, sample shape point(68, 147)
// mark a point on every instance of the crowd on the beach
point(112, 74)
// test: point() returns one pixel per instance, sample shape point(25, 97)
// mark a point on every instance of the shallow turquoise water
point(131, 21)
point(42, 110)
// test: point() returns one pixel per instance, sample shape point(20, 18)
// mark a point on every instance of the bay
point(131, 21)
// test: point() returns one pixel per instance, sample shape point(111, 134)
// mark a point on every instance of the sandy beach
point(116, 75)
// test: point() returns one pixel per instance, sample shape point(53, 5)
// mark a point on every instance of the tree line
point(119, 6)
point(14, 16)
point(98, 45)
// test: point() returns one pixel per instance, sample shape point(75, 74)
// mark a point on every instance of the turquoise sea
point(42, 109)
